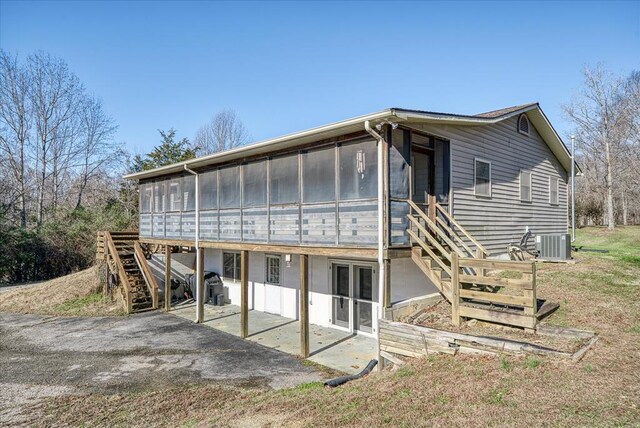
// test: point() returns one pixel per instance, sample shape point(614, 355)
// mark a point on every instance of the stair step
point(140, 285)
point(141, 307)
point(137, 311)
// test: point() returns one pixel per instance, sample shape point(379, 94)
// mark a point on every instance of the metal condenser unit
point(554, 247)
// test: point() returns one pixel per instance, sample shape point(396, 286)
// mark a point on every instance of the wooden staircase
point(128, 270)
point(435, 241)
point(456, 263)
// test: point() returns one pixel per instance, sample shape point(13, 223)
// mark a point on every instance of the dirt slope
point(75, 294)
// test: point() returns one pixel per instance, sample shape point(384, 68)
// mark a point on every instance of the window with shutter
point(553, 190)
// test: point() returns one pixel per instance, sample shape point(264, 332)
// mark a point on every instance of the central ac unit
point(554, 247)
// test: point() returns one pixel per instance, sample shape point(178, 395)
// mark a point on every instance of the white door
point(272, 286)
point(273, 299)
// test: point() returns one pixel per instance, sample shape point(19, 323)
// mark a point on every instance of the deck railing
point(149, 279)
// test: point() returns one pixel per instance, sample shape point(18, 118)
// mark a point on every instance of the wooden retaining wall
point(406, 340)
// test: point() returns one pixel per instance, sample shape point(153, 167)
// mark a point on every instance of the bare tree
point(15, 124)
point(600, 113)
point(97, 148)
point(54, 94)
point(223, 132)
point(630, 194)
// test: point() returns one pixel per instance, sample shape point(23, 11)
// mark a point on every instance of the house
point(334, 224)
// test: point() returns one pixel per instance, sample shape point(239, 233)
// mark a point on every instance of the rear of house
point(335, 224)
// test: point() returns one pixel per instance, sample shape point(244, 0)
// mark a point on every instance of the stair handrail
point(433, 241)
point(434, 226)
point(122, 275)
point(429, 251)
point(451, 232)
point(462, 229)
point(149, 279)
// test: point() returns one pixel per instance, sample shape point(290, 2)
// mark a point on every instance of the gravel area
point(43, 356)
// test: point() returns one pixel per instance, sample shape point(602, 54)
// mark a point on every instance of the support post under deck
point(304, 305)
point(244, 293)
point(167, 278)
point(200, 285)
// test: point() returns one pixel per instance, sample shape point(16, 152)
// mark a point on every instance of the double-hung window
point(482, 182)
point(273, 263)
point(525, 186)
point(231, 266)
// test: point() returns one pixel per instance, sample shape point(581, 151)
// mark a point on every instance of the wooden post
point(431, 210)
point(480, 255)
point(200, 286)
point(531, 310)
point(387, 284)
point(455, 289)
point(304, 305)
point(244, 293)
point(167, 278)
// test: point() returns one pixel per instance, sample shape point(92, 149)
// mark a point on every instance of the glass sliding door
point(353, 296)
point(363, 284)
point(341, 300)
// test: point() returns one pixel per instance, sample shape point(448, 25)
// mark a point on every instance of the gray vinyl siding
point(502, 218)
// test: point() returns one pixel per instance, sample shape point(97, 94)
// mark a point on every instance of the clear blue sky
point(288, 66)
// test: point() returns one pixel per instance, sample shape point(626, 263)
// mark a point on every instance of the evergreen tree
point(169, 151)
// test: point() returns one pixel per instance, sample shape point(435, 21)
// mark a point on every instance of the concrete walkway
point(328, 346)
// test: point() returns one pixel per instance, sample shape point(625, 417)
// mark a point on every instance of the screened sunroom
point(319, 196)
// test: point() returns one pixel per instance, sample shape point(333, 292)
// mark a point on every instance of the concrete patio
point(330, 347)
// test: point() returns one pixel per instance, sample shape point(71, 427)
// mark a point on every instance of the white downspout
point(199, 296)
point(381, 270)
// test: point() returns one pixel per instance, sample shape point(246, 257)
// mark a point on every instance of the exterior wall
point(502, 218)
point(408, 281)
point(288, 290)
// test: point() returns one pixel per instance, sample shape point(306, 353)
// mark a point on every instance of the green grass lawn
point(600, 292)
point(623, 243)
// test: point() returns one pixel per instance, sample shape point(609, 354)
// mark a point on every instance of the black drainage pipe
point(332, 383)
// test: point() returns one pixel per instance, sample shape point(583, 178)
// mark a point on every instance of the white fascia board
point(416, 116)
point(553, 140)
point(534, 112)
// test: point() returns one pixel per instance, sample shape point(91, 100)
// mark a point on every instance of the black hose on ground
point(332, 383)
point(590, 250)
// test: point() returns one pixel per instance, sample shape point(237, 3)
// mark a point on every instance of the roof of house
point(534, 113)
point(497, 113)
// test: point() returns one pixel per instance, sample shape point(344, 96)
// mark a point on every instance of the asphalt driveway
point(42, 356)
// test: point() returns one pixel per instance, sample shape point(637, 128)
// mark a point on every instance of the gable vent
point(523, 124)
